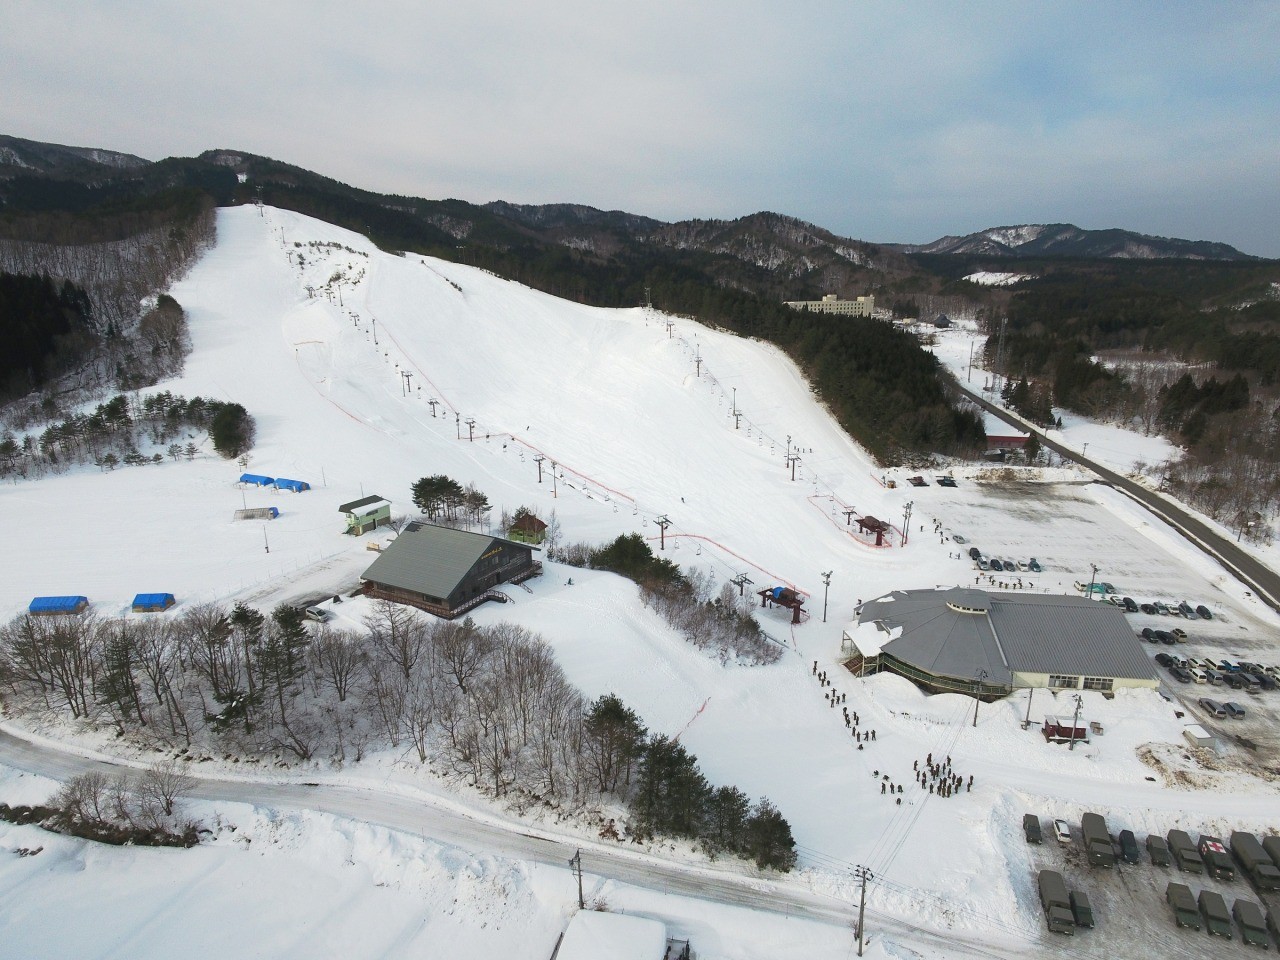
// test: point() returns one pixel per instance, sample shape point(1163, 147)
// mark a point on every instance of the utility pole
point(554, 493)
point(471, 429)
point(977, 699)
point(662, 523)
point(737, 414)
point(697, 359)
point(793, 459)
point(864, 874)
point(788, 453)
point(969, 374)
point(375, 330)
point(457, 421)
point(1075, 720)
point(670, 325)
point(265, 544)
point(741, 580)
point(576, 862)
point(1027, 722)
point(906, 521)
point(826, 587)
point(1094, 574)
point(538, 458)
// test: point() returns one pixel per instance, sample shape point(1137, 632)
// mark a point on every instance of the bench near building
point(965, 640)
point(446, 571)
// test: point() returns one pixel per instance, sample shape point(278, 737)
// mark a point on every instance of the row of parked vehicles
point(1258, 861)
point(1237, 674)
point(1174, 608)
point(944, 480)
point(997, 564)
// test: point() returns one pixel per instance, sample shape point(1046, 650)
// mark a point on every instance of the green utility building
point(446, 571)
point(367, 513)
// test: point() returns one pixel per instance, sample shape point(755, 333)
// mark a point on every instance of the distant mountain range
point(785, 247)
point(1067, 240)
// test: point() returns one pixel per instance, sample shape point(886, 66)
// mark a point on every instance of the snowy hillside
point(314, 330)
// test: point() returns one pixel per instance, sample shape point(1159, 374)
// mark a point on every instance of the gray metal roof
point(429, 559)
point(1020, 633)
point(362, 502)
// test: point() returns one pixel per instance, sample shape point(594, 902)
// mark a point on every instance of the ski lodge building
point(964, 640)
point(445, 571)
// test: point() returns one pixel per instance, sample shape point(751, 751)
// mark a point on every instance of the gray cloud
point(879, 120)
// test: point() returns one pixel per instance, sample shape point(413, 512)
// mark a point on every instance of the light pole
point(1092, 576)
point(826, 587)
point(1074, 721)
point(864, 874)
point(1084, 452)
point(977, 686)
point(906, 520)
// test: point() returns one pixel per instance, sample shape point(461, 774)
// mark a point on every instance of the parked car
point(1147, 608)
point(1161, 608)
point(1234, 710)
point(1062, 830)
point(1251, 683)
point(1180, 674)
point(1130, 605)
point(1010, 566)
point(917, 481)
point(983, 564)
point(1024, 567)
point(1164, 636)
point(1204, 612)
point(959, 539)
point(1128, 846)
point(1267, 681)
point(946, 481)
point(1034, 564)
point(974, 553)
point(1212, 707)
point(1148, 633)
point(1180, 634)
point(1233, 680)
point(1215, 677)
point(1031, 827)
point(1187, 612)
point(1164, 659)
point(1198, 675)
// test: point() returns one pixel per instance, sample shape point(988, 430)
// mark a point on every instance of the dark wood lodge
point(446, 571)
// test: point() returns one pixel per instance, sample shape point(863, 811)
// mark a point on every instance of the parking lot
point(1129, 902)
point(1070, 528)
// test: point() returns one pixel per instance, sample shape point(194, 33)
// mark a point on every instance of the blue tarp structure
point(153, 602)
point(777, 592)
point(297, 486)
point(52, 605)
point(257, 479)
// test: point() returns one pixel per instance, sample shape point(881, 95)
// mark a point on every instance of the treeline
point(118, 430)
point(1194, 354)
point(722, 622)
point(46, 326)
point(120, 254)
point(489, 705)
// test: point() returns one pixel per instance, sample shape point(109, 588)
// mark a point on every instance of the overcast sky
point(884, 121)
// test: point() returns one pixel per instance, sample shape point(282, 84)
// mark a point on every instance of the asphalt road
point(422, 817)
point(1264, 581)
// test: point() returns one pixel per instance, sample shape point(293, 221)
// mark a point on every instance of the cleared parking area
point(1130, 913)
point(1071, 528)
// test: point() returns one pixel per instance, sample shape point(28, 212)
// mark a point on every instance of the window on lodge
point(1060, 682)
point(1098, 683)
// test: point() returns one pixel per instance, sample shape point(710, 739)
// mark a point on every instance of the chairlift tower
point(662, 523)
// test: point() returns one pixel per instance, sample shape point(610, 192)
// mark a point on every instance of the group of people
point(939, 778)
point(851, 720)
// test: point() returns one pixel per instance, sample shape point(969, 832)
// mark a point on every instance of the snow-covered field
point(614, 399)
